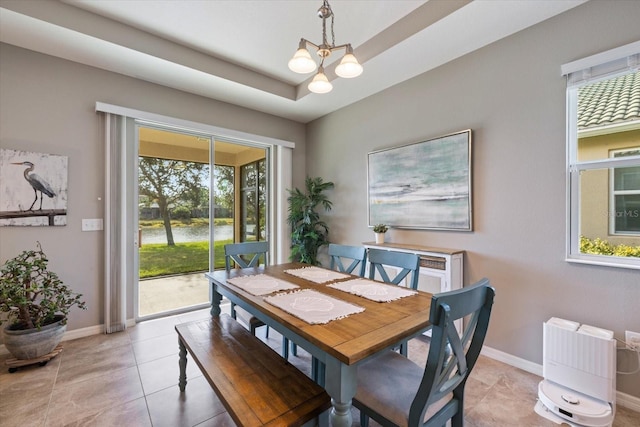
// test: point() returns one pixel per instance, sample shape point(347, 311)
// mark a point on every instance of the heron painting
point(33, 188)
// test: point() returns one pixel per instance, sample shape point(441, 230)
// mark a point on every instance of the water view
point(186, 234)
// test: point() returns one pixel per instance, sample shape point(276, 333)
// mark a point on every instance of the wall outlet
point(633, 340)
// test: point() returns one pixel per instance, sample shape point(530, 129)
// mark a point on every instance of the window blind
point(620, 60)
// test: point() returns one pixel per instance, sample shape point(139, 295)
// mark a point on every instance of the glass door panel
point(240, 190)
point(173, 221)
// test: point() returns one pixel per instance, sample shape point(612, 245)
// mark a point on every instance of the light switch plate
point(92, 224)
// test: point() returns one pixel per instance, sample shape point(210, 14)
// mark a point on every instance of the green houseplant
point(380, 229)
point(308, 232)
point(36, 304)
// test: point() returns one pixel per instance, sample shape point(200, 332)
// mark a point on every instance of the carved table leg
point(215, 300)
point(341, 413)
point(340, 383)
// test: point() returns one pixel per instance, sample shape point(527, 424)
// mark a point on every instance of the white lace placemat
point(261, 284)
point(317, 274)
point(375, 291)
point(312, 306)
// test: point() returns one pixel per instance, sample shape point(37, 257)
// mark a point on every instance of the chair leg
point(266, 334)
point(294, 349)
point(317, 371)
point(314, 369)
point(404, 349)
point(285, 348)
point(458, 418)
point(364, 419)
point(233, 311)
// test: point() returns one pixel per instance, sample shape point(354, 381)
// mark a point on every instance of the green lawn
point(160, 259)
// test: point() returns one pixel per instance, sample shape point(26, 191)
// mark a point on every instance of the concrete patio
point(170, 293)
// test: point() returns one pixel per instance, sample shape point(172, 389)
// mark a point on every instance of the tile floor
point(130, 379)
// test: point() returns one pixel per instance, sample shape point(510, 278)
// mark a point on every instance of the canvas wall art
point(33, 188)
point(423, 185)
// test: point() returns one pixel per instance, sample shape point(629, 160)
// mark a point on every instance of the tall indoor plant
point(308, 232)
point(36, 303)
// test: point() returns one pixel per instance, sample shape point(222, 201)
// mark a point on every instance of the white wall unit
point(441, 270)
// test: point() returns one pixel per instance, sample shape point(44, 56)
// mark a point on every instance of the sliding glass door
point(195, 194)
point(173, 221)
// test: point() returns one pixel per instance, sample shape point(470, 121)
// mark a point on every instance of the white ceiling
point(237, 50)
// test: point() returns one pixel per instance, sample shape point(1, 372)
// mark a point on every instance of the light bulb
point(320, 83)
point(302, 62)
point(349, 67)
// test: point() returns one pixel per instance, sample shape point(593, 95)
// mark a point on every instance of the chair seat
point(389, 384)
point(247, 318)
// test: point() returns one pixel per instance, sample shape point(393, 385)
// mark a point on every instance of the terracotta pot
point(33, 343)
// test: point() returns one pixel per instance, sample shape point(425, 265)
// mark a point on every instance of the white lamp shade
point(320, 83)
point(349, 67)
point(302, 62)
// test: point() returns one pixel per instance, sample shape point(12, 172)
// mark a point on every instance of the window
point(603, 158)
point(625, 200)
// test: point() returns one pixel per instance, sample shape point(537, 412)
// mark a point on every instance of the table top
point(350, 339)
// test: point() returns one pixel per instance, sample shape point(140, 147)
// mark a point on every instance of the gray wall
point(512, 96)
point(47, 105)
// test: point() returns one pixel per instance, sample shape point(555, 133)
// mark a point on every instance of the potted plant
point(36, 303)
point(308, 232)
point(380, 229)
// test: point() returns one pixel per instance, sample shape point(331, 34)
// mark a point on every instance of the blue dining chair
point(404, 261)
point(405, 265)
point(395, 391)
point(356, 254)
point(339, 255)
point(247, 255)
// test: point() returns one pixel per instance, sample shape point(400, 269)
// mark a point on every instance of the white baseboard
point(78, 333)
point(627, 401)
point(622, 399)
point(512, 360)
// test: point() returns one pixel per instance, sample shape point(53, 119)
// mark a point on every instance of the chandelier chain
point(333, 36)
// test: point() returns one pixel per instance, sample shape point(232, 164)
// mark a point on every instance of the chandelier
point(303, 63)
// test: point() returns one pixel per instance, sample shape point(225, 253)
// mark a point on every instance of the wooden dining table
point(340, 344)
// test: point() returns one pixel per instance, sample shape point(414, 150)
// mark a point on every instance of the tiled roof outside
point(609, 102)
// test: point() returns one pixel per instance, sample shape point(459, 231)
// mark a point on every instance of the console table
point(441, 270)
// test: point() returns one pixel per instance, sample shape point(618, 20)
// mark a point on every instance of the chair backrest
point(408, 262)
point(235, 251)
point(357, 254)
point(451, 356)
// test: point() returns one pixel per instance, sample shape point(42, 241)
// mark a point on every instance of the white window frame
point(613, 193)
point(604, 65)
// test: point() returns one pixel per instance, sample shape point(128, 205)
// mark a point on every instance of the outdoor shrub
point(181, 212)
point(599, 246)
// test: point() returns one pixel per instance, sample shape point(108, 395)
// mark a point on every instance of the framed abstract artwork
point(34, 188)
point(425, 185)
